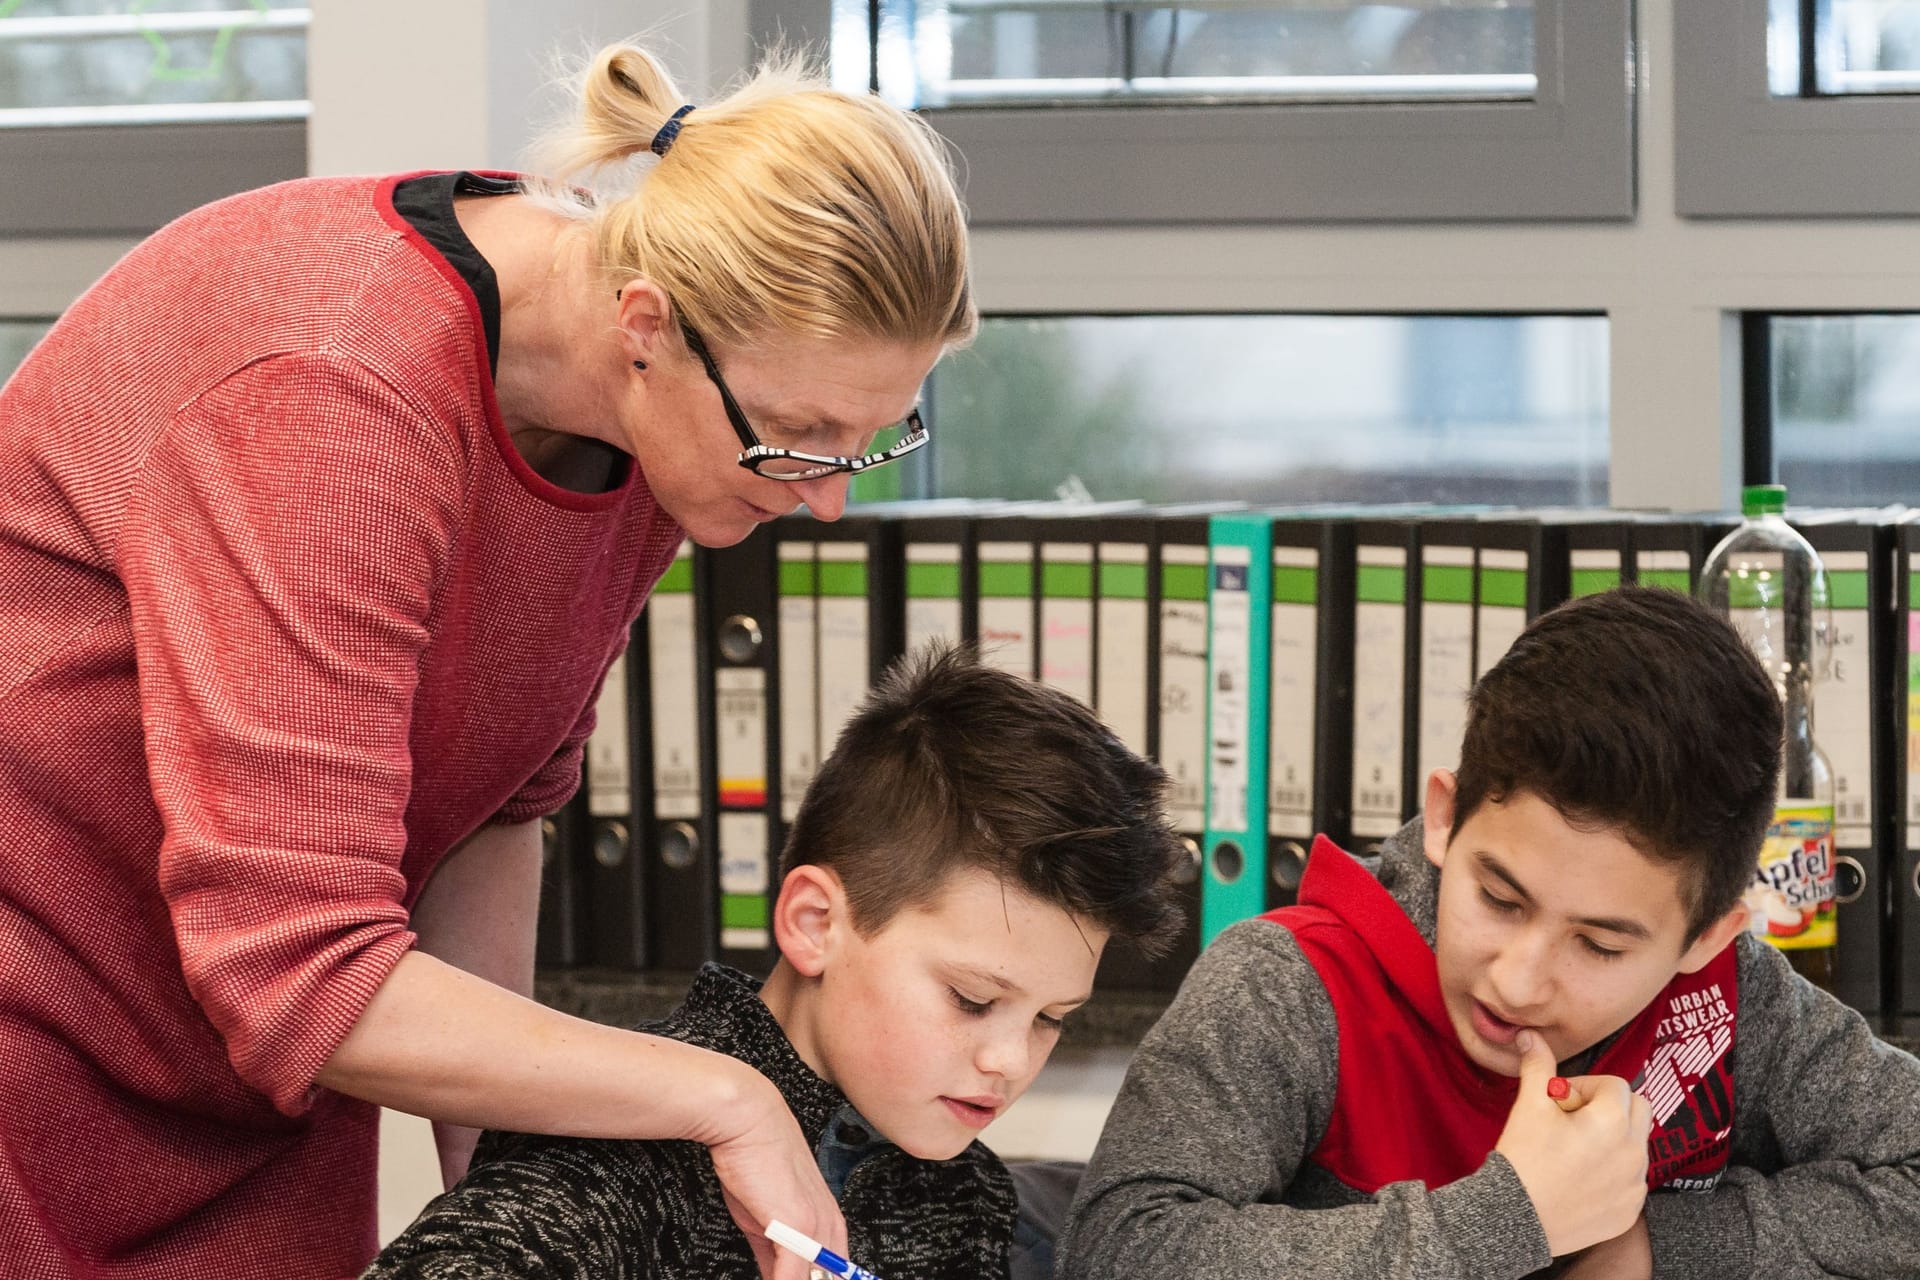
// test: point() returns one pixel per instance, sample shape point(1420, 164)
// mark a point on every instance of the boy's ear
point(1437, 815)
point(1715, 937)
point(811, 907)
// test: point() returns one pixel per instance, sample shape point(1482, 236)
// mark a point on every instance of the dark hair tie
point(668, 132)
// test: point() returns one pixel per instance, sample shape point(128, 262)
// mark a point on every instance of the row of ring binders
point(1295, 670)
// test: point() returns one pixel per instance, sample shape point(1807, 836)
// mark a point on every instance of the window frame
point(1569, 154)
point(1740, 152)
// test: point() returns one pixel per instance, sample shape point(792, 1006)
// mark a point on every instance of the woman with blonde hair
point(328, 509)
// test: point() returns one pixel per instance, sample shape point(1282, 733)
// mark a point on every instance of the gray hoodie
point(1203, 1169)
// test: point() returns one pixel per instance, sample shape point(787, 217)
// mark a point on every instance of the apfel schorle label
point(1791, 899)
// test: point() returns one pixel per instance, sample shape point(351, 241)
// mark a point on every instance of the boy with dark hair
point(955, 869)
point(1365, 1084)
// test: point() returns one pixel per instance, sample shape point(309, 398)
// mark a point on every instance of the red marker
point(1562, 1093)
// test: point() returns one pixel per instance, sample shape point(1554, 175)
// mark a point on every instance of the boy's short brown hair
point(1640, 711)
point(950, 765)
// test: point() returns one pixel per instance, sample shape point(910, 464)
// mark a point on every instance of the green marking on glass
point(933, 580)
point(1446, 584)
point(1591, 582)
point(1380, 584)
point(162, 67)
point(1123, 581)
point(1006, 578)
point(1066, 581)
point(1183, 581)
point(1295, 584)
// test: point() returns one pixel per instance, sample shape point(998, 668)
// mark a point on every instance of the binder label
point(1913, 712)
point(1006, 606)
point(799, 695)
point(675, 691)
point(845, 654)
point(1379, 687)
point(1446, 655)
point(1672, 570)
point(745, 879)
point(933, 593)
point(609, 772)
point(1593, 570)
point(1066, 618)
point(1120, 634)
point(740, 723)
point(1503, 605)
point(1230, 674)
point(1183, 682)
point(1844, 698)
point(1292, 690)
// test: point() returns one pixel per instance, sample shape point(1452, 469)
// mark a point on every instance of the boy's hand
point(1625, 1257)
point(1585, 1171)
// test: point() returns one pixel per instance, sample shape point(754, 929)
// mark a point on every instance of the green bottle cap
point(1763, 500)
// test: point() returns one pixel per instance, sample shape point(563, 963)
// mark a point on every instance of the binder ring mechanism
point(1289, 865)
point(740, 638)
point(1849, 879)
point(1228, 862)
point(679, 845)
point(610, 844)
point(1187, 871)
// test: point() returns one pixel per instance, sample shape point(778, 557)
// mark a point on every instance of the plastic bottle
point(1769, 583)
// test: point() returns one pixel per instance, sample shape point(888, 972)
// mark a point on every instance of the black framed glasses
point(900, 439)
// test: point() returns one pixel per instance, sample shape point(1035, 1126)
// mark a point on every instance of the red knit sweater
point(283, 617)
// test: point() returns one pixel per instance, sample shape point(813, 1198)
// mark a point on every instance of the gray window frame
point(1740, 152)
point(85, 180)
point(1566, 155)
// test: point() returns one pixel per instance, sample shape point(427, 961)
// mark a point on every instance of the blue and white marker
point(816, 1253)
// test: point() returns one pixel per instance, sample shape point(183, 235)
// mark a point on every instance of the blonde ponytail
point(786, 207)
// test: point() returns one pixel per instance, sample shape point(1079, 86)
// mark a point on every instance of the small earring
point(639, 364)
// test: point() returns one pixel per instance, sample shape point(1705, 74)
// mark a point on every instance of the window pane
point(16, 339)
point(935, 53)
point(1846, 396)
point(1852, 47)
point(1272, 409)
point(68, 62)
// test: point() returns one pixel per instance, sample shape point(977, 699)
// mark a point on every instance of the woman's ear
point(808, 917)
point(645, 316)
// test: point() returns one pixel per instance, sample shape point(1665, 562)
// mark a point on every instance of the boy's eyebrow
point(1005, 984)
point(1611, 924)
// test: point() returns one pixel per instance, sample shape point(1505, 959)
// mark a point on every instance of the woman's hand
point(767, 1171)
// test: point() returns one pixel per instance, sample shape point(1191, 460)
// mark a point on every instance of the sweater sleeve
point(1222, 1105)
point(544, 1208)
point(280, 554)
point(1824, 1176)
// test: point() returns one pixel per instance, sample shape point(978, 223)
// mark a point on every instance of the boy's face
point(1544, 925)
point(935, 1023)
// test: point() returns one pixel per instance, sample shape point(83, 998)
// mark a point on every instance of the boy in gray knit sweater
point(956, 867)
point(1538, 1036)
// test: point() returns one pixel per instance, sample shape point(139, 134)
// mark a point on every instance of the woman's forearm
point(438, 1042)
